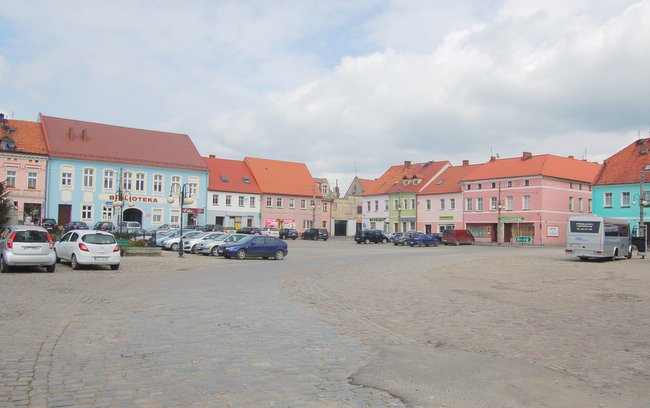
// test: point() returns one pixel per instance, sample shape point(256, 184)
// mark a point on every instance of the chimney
point(571, 157)
point(407, 163)
point(526, 155)
point(84, 135)
point(465, 162)
point(70, 133)
point(493, 159)
point(212, 156)
point(639, 142)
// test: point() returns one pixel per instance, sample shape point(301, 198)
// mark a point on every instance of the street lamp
point(184, 197)
point(120, 197)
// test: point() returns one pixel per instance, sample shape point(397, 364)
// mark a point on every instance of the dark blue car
point(255, 246)
point(421, 240)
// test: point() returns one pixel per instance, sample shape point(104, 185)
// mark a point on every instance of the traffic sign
point(523, 240)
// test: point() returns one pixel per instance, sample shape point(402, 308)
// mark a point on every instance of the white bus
point(590, 236)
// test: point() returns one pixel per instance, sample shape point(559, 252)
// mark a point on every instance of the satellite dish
point(11, 145)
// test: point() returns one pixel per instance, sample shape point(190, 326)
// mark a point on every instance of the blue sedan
point(420, 239)
point(255, 246)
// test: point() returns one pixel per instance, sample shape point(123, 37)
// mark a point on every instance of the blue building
point(100, 172)
point(622, 189)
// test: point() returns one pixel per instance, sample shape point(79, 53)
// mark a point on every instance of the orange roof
point(282, 177)
point(230, 175)
point(28, 136)
point(74, 139)
point(449, 180)
point(547, 165)
point(625, 166)
point(391, 180)
point(365, 183)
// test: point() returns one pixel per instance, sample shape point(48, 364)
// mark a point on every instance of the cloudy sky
point(342, 85)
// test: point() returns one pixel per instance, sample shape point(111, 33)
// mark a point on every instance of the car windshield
point(30, 236)
point(100, 239)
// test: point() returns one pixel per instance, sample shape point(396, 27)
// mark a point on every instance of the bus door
point(639, 239)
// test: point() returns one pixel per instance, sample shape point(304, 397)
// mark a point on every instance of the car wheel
point(383, 241)
point(4, 268)
point(50, 268)
point(57, 257)
point(367, 241)
point(421, 245)
point(193, 249)
point(73, 262)
point(279, 254)
point(115, 267)
point(241, 254)
point(324, 239)
point(174, 247)
point(226, 256)
point(214, 250)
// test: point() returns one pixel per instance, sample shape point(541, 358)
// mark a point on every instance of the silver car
point(172, 243)
point(210, 247)
point(26, 245)
point(191, 245)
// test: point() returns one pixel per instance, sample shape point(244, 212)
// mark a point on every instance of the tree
point(6, 205)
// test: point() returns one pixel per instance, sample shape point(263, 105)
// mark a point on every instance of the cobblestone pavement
point(334, 324)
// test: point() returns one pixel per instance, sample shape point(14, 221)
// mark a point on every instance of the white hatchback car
point(88, 247)
point(25, 245)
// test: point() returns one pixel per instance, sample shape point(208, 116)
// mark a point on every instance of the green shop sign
point(446, 217)
point(378, 219)
point(512, 219)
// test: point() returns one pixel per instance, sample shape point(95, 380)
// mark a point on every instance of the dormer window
point(224, 178)
point(7, 144)
point(246, 180)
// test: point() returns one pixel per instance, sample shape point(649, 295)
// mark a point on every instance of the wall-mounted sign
point(552, 231)
point(512, 219)
point(446, 218)
point(136, 199)
point(378, 219)
point(194, 211)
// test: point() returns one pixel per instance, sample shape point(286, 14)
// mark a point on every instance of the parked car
point(26, 245)
point(457, 237)
point(254, 246)
point(315, 234)
point(420, 239)
point(286, 233)
point(213, 228)
point(131, 224)
point(50, 225)
point(230, 230)
point(368, 236)
point(88, 248)
point(270, 231)
point(249, 230)
point(104, 226)
point(404, 238)
point(172, 244)
point(210, 247)
point(190, 245)
point(161, 237)
point(164, 227)
point(394, 235)
point(75, 225)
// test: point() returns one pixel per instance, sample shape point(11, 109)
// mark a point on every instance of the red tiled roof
point(391, 180)
point(28, 136)
point(542, 165)
point(365, 183)
point(234, 171)
point(74, 139)
point(449, 180)
point(625, 166)
point(282, 177)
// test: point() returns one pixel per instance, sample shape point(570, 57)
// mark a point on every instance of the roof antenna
point(355, 168)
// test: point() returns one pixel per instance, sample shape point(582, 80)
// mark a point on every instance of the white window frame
point(493, 203)
point(279, 202)
point(158, 184)
point(87, 212)
point(127, 180)
point(269, 202)
point(510, 203)
point(324, 207)
point(107, 213)
point(292, 203)
point(607, 200)
point(469, 204)
point(67, 177)
point(108, 180)
point(625, 199)
point(140, 185)
point(228, 200)
point(32, 176)
point(428, 204)
point(88, 179)
point(441, 204)
point(157, 216)
point(452, 203)
point(525, 202)
point(241, 200)
point(303, 204)
point(11, 174)
point(175, 216)
point(479, 204)
point(252, 202)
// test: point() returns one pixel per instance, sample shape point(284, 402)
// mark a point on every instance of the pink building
point(23, 157)
point(527, 199)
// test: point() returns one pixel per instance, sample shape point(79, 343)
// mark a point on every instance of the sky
point(349, 87)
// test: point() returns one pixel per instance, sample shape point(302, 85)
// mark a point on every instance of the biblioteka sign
point(137, 199)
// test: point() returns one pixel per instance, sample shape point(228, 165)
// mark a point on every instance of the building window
point(479, 204)
point(269, 202)
point(428, 204)
point(324, 207)
point(241, 201)
point(494, 185)
point(479, 186)
point(468, 204)
point(246, 180)
point(89, 178)
point(11, 178)
point(608, 200)
point(493, 203)
point(224, 178)
point(395, 204)
point(292, 203)
point(279, 202)
point(157, 183)
point(324, 189)
point(66, 179)
point(369, 205)
point(303, 204)
point(469, 187)
point(174, 216)
point(510, 203)
point(385, 205)
point(215, 199)
point(452, 203)
point(228, 200)
point(412, 203)
point(590, 207)
point(324, 224)
point(406, 204)
point(525, 202)
point(194, 189)
point(526, 183)
point(87, 212)
point(139, 182)
point(442, 204)
point(157, 216)
point(107, 213)
point(376, 205)
point(359, 209)
point(252, 202)
point(571, 204)
point(31, 180)
point(306, 224)
point(625, 199)
point(109, 180)
point(510, 183)
point(176, 185)
point(127, 179)
point(580, 205)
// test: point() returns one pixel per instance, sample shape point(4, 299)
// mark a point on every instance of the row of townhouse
point(74, 170)
point(524, 199)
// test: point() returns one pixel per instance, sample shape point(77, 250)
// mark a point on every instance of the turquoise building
point(99, 172)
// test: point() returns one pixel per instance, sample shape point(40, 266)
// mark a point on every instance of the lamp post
point(184, 197)
point(121, 196)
